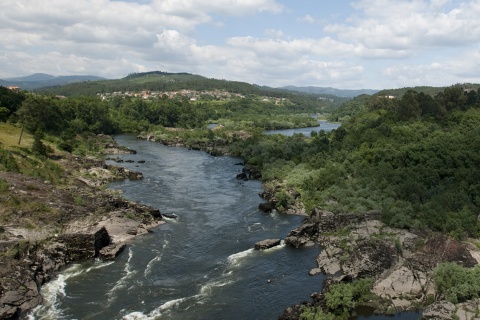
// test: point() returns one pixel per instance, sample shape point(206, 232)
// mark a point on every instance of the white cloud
point(307, 19)
point(410, 25)
point(383, 41)
point(459, 69)
point(273, 33)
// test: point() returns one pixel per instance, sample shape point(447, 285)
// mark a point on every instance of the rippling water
point(200, 266)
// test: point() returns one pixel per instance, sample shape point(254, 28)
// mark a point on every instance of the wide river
point(200, 266)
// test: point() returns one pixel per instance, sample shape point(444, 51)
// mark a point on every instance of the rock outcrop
point(267, 244)
point(74, 221)
point(400, 261)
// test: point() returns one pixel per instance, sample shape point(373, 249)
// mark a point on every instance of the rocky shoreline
point(75, 221)
point(357, 246)
point(400, 262)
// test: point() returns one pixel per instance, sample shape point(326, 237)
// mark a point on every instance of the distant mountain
point(331, 91)
point(41, 80)
point(32, 77)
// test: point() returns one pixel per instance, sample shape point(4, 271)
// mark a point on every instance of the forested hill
point(165, 81)
point(432, 91)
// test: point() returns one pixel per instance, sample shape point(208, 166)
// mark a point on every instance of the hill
point(331, 91)
point(40, 80)
point(432, 91)
point(161, 82)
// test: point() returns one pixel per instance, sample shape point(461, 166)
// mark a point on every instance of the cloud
point(409, 25)
point(307, 19)
point(461, 68)
point(273, 33)
point(382, 41)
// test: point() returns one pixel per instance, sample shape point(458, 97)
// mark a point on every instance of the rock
point(141, 161)
point(249, 174)
point(370, 259)
point(293, 312)
point(266, 244)
point(328, 261)
point(83, 246)
point(441, 310)
point(302, 236)
point(170, 215)
point(315, 271)
point(110, 252)
point(266, 207)
point(242, 176)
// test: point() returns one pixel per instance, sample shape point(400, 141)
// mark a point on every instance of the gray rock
point(440, 310)
point(266, 244)
point(112, 251)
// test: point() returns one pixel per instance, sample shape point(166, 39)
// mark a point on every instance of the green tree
point(40, 113)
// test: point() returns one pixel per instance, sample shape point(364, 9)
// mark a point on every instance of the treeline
point(416, 159)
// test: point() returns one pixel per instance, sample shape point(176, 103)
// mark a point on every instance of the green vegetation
point(414, 158)
point(457, 284)
point(341, 300)
point(412, 154)
point(168, 82)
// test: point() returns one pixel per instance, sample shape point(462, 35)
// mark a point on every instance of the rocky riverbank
point(47, 226)
point(400, 262)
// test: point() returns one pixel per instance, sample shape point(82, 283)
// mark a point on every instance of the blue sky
point(344, 44)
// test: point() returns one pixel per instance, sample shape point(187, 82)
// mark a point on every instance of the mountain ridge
point(345, 93)
point(41, 80)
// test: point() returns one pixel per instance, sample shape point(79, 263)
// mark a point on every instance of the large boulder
point(266, 207)
point(303, 235)
point(86, 245)
point(267, 244)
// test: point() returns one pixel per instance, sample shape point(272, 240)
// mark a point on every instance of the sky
point(356, 44)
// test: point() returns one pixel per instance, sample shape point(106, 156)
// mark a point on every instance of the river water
point(323, 125)
point(200, 266)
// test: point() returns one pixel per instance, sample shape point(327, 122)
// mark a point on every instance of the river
point(200, 266)
point(323, 125)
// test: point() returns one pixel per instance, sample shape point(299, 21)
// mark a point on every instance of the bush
point(456, 283)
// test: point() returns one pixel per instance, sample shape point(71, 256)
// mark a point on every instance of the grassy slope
point(9, 135)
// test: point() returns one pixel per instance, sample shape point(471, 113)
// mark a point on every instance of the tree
point(10, 101)
point(38, 147)
point(40, 113)
point(408, 107)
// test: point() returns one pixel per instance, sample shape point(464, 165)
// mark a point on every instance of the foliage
point(7, 161)
point(316, 314)
point(341, 300)
point(168, 82)
point(414, 158)
point(10, 102)
point(38, 147)
point(4, 185)
point(456, 283)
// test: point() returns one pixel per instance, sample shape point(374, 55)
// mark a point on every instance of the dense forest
point(413, 158)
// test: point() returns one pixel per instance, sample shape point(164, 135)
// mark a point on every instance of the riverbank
point(400, 263)
point(47, 226)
